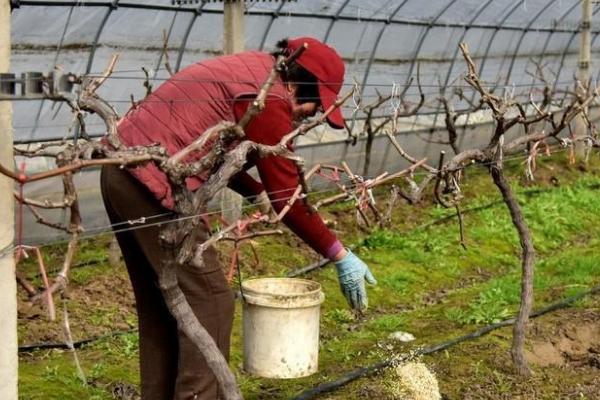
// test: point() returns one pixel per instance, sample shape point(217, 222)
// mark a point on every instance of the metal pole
point(233, 42)
point(583, 66)
point(8, 281)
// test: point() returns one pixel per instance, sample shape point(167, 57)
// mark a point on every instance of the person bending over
point(178, 112)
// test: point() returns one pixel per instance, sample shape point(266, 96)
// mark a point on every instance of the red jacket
point(199, 97)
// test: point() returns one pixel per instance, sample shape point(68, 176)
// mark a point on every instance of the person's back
point(191, 101)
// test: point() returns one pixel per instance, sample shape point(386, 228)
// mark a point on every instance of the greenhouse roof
point(382, 42)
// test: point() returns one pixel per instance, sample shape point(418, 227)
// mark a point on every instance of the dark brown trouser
point(171, 366)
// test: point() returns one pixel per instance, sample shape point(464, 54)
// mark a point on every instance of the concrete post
point(233, 42)
point(233, 26)
point(8, 282)
point(583, 70)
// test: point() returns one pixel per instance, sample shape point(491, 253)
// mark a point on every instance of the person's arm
point(245, 185)
point(252, 190)
point(279, 177)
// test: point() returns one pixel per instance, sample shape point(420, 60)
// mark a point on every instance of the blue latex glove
point(352, 273)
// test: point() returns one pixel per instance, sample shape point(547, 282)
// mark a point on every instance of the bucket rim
point(316, 290)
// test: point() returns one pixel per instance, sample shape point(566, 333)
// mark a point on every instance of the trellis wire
point(108, 228)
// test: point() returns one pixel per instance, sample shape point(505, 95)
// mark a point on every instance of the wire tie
point(371, 197)
point(141, 220)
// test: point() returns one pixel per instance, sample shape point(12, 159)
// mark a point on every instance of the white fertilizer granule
point(416, 382)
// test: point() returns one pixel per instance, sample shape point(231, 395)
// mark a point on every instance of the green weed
point(129, 344)
point(491, 305)
point(399, 281)
point(50, 372)
point(339, 316)
point(388, 323)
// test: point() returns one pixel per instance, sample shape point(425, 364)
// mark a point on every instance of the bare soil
point(563, 351)
point(102, 305)
point(567, 343)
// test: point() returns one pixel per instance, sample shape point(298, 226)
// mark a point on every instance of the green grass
point(427, 285)
point(490, 306)
point(52, 374)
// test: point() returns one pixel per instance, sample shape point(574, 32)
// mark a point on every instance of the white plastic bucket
point(281, 327)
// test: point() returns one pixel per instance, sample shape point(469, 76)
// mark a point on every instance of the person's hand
point(352, 273)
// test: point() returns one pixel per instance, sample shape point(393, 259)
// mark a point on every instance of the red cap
point(327, 66)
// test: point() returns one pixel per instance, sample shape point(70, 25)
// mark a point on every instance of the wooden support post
point(8, 280)
point(233, 42)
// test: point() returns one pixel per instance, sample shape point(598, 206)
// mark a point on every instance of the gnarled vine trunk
point(527, 261)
